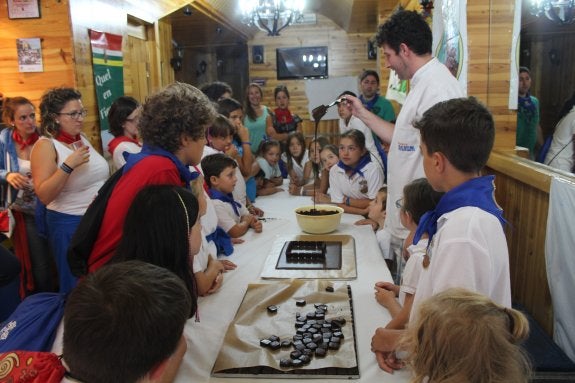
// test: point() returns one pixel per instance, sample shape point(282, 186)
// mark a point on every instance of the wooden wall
point(523, 193)
point(347, 57)
point(54, 29)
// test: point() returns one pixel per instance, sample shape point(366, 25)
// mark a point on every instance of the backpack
point(33, 325)
point(87, 232)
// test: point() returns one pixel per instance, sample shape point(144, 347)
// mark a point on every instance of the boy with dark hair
point(467, 246)
point(220, 175)
point(125, 323)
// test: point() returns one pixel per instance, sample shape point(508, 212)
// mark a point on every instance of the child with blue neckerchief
point(233, 216)
point(355, 181)
point(467, 246)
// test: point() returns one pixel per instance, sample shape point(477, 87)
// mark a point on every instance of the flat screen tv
point(301, 63)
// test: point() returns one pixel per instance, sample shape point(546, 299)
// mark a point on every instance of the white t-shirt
point(82, 184)
point(126, 146)
point(240, 188)
point(298, 168)
point(431, 84)
point(560, 152)
point(469, 251)
point(341, 186)
point(412, 270)
point(227, 218)
point(269, 170)
point(356, 123)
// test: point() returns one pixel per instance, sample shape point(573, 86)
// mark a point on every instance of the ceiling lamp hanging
point(559, 11)
point(271, 16)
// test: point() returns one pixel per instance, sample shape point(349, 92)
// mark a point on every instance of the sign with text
point(108, 66)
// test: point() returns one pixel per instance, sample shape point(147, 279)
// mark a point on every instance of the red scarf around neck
point(31, 140)
point(67, 138)
point(113, 144)
point(283, 116)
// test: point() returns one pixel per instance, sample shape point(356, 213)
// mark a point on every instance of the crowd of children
point(187, 194)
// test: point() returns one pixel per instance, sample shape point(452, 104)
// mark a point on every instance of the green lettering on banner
point(108, 67)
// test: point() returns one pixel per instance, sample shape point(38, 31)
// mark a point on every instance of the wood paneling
point(347, 57)
point(54, 30)
point(523, 193)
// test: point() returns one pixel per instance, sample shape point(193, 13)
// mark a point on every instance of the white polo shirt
point(341, 186)
point(469, 251)
point(227, 218)
point(431, 84)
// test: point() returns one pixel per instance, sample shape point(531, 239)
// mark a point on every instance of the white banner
point(450, 36)
point(560, 262)
point(514, 57)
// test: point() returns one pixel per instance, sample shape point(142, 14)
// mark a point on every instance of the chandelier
point(560, 11)
point(271, 16)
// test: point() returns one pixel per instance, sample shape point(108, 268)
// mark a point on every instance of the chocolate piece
point(339, 320)
point(275, 345)
point(297, 342)
point(320, 352)
point(300, 331)
point(299, 347)
point(338, 334)
point(334, 339)
point(305, 359)
point(297, 337)
point(295, 354)
point(265, 342)
point(285, 363)
point(312, 346)
point(272, 309)
point(296, 363)
point(300, 302)
point(310, 315)
point(312, 330)
point(307, 351)
point(274, 338)
point(317, 338)
point(333, 345)
point(299, 324)
point(306, 340)
point(285, 343)
point(329, 289)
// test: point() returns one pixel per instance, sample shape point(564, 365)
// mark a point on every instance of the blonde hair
point(464, 337)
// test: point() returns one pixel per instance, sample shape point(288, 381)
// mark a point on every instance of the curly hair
point(10, 106)
point(121, 108)
point(52, 103)
point(405, 27)
point(177, 109)
point(462, 336)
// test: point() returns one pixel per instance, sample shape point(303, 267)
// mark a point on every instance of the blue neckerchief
point(222, 240)
point(229, 198)
point(368, 104)
point(185, 174)
point(364, 160)
point(477, 192)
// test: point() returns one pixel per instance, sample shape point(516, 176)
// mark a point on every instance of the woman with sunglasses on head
point(67, 170)
point(16, 144)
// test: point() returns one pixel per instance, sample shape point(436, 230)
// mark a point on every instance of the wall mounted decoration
point(23, 9)
point(29, 55)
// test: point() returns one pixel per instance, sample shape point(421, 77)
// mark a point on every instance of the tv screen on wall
point(301, 63)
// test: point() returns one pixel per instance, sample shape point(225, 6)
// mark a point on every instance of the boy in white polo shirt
point(233, 216)
point(467, 245)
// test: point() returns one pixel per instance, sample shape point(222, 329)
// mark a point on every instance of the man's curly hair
point(175, 110)
point(405, 27)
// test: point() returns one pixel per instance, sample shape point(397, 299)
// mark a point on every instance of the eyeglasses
point(399, 203)
point(76, 115)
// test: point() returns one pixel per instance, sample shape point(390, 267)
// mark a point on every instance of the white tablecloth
point(218, 310)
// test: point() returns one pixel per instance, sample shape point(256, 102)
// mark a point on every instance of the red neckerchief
point(205, 185)
point(31, 367)
point(67, 138)
point(283, 116)
point(22, 142)
point(112, 145)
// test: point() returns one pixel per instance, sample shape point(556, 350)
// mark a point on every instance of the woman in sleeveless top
point(16, 143)
point(67, 171)
point(258, 119)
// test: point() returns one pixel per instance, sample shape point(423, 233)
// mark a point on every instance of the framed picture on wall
point(29, 55)
point(23, 9)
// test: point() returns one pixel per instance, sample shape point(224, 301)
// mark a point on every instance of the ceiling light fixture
point(271, 16)
point(559, 11)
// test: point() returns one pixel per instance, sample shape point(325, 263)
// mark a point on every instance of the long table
point(216, 311)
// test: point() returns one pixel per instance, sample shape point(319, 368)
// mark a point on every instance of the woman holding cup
point(16, 143)
point(67, 172)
